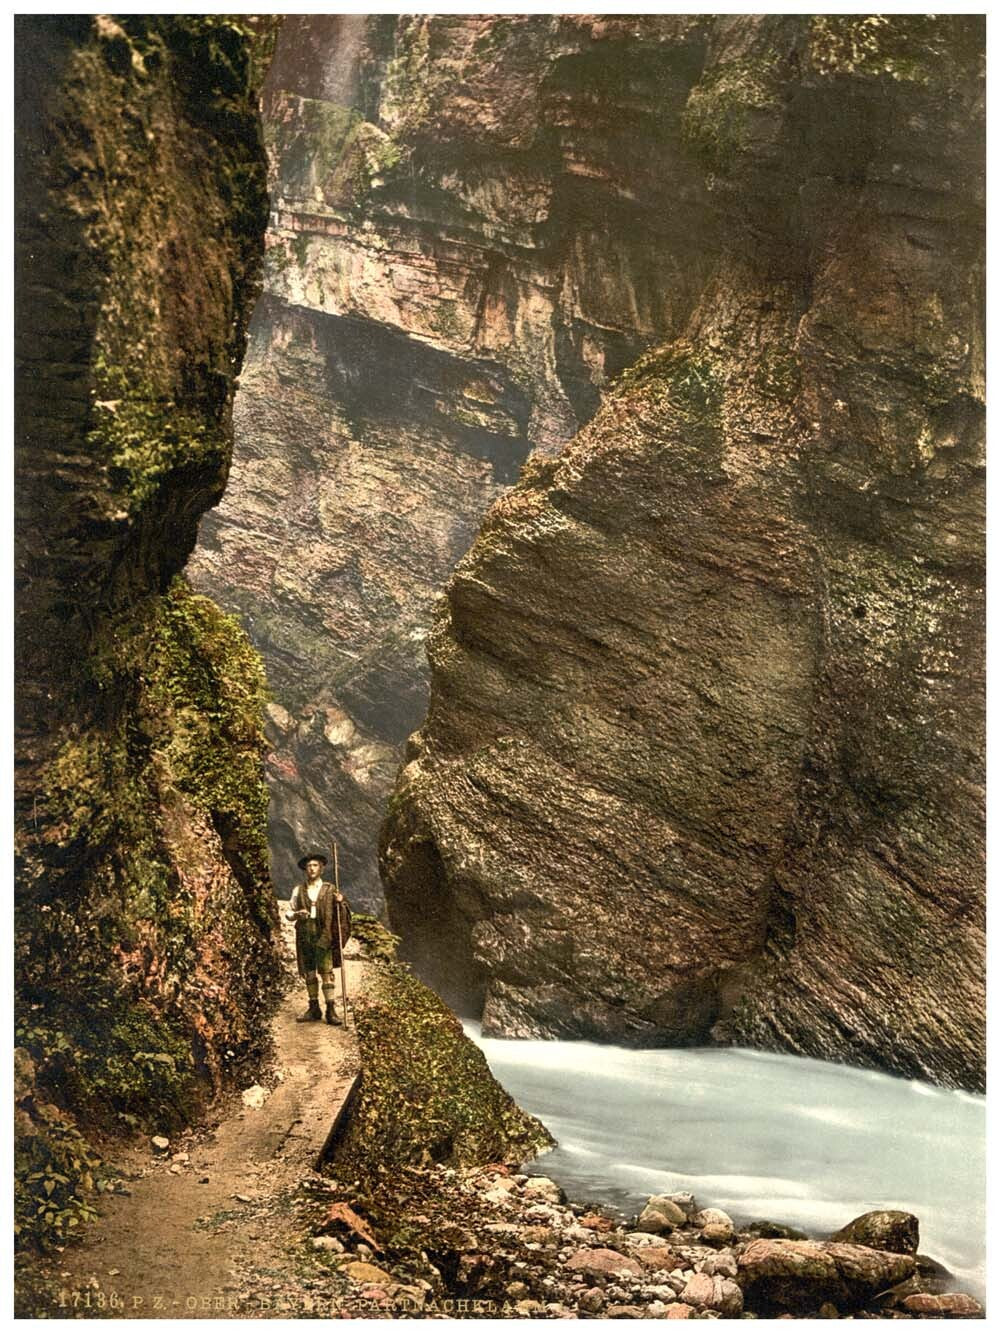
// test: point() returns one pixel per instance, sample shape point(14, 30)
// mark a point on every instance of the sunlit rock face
point(704, 753)
point(477, 222)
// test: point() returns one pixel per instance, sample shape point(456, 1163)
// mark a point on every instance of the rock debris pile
point(491, 1241)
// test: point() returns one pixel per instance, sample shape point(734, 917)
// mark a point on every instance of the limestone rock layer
point(145, 967)
point(477, 222)
point(704, 751)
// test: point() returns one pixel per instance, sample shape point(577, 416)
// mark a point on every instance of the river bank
point(808, 1143)
point(238, 1219)
point(491, 1242)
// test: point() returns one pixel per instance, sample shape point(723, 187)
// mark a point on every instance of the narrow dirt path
point(204, 1237)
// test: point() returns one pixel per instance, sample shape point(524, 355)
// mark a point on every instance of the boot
point(331, 1016)
point(312, 1014)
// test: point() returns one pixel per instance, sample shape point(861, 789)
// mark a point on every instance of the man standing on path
point(314, 908)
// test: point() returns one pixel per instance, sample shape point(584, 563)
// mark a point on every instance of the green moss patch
point(722, 110)
point(905, 48)
point(143, 441)
point(146, 970)
point(379, 944)
point(426, 1093)
point(209, 682)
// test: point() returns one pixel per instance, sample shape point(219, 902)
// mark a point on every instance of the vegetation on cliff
point(145, 966)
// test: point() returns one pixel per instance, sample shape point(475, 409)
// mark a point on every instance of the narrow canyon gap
point(703, 758)
point(476, 223)
point(149, 968)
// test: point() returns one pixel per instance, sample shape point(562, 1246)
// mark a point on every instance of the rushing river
point(796, 1141)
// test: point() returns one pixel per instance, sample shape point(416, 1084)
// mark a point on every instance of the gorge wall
point(145, 964)
point(477, 222)
point(704, 751)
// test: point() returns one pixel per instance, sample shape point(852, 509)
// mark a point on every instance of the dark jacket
point(322, 931)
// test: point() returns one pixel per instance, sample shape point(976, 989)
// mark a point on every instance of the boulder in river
point(716, 1226)
point(949, 1305)
point(799, 1275)
point(883, 1229)
point(541, 1187)
point(661, 1215)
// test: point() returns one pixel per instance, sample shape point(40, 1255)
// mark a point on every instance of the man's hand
point(301, 914)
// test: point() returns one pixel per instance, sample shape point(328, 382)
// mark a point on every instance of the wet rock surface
point(660, 796)
point(795, 1275)
point(883, 1229)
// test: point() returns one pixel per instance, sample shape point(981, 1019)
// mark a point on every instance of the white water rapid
point(795, 1141)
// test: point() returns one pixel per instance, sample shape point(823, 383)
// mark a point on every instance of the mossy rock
point(910, 48)
point(378, 942)
point(145, 954)
point(144, 934)
point(426, 1093)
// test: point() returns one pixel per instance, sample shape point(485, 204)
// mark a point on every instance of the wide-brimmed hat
point(311, 856)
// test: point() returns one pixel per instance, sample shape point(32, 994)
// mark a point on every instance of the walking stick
point(340, 934)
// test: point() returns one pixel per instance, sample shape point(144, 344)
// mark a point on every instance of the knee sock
point(329, 990)
point(312, 989)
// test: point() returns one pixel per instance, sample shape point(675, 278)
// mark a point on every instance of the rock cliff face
point(704, 755)
point(145, 965)
point(477, 222)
